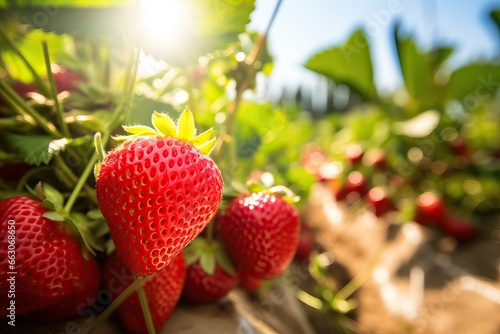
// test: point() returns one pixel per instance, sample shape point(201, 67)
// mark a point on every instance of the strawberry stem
point(67, 176)
point(226, 134)
point(355, 283)
point(23, 109)
point(81, 183)
point(116, 302)
point(145, 308)
point(53, 90)
point(127, 95)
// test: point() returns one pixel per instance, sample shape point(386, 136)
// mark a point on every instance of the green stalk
point(20, 105)
point(71, 180)
point(81, 183)
point(360, 278)
point(227, 133)
point(38, 80)
point(19, 123)
point(53, 90)
point(145, 308)
point(123, 106)
point(116, 302)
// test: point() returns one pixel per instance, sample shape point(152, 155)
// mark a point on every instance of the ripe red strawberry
point(210, 275)
point(376, 157)
point(249, 283)
point(162, 291)
point(305, 245)
point(80, 301)
point(355, 183)
point(260, 232)
point(48, 261)
point(380, 201)
point(460, 229)
point(354, 153)
point(430, 209)
point(158, 191)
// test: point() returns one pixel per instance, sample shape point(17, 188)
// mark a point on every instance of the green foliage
point(35, 149)
point(478, 81)
point(349, 63)
point(31, 48)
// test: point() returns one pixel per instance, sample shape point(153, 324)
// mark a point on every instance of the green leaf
point(418, 69)
point(203, 137)
point(495, 16)
point(34, 149)
point(53, 195)
point(30, 47)
point(185, 126)
point(164, 124)
point(349, 63)
point(207, 263)
point(55, 216)
point(140, 130)
point(475, 83)
point(208, 147)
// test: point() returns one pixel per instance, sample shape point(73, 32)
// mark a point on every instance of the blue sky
point(303, 28)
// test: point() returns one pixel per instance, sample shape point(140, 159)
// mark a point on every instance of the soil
point(417, 280)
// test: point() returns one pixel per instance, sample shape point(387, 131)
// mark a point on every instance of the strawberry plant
point(102, 169)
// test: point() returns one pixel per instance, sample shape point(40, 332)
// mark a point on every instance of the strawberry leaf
point(207, 263)
point(35, 149)
point(164, 124)
point(185, 126)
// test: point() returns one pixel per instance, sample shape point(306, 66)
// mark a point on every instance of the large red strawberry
point(210, 274)
point(77, 303)
point(260, 232)
point(162, 291)
point(42, 256)
point(158, 190)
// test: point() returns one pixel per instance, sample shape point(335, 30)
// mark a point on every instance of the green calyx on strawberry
point(163, 291)
point(210, 273)
point(51, 270)
point(81, 225)
point(158, 190)
point(260, 232)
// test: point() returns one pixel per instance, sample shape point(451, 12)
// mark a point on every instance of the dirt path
point(418, 284)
